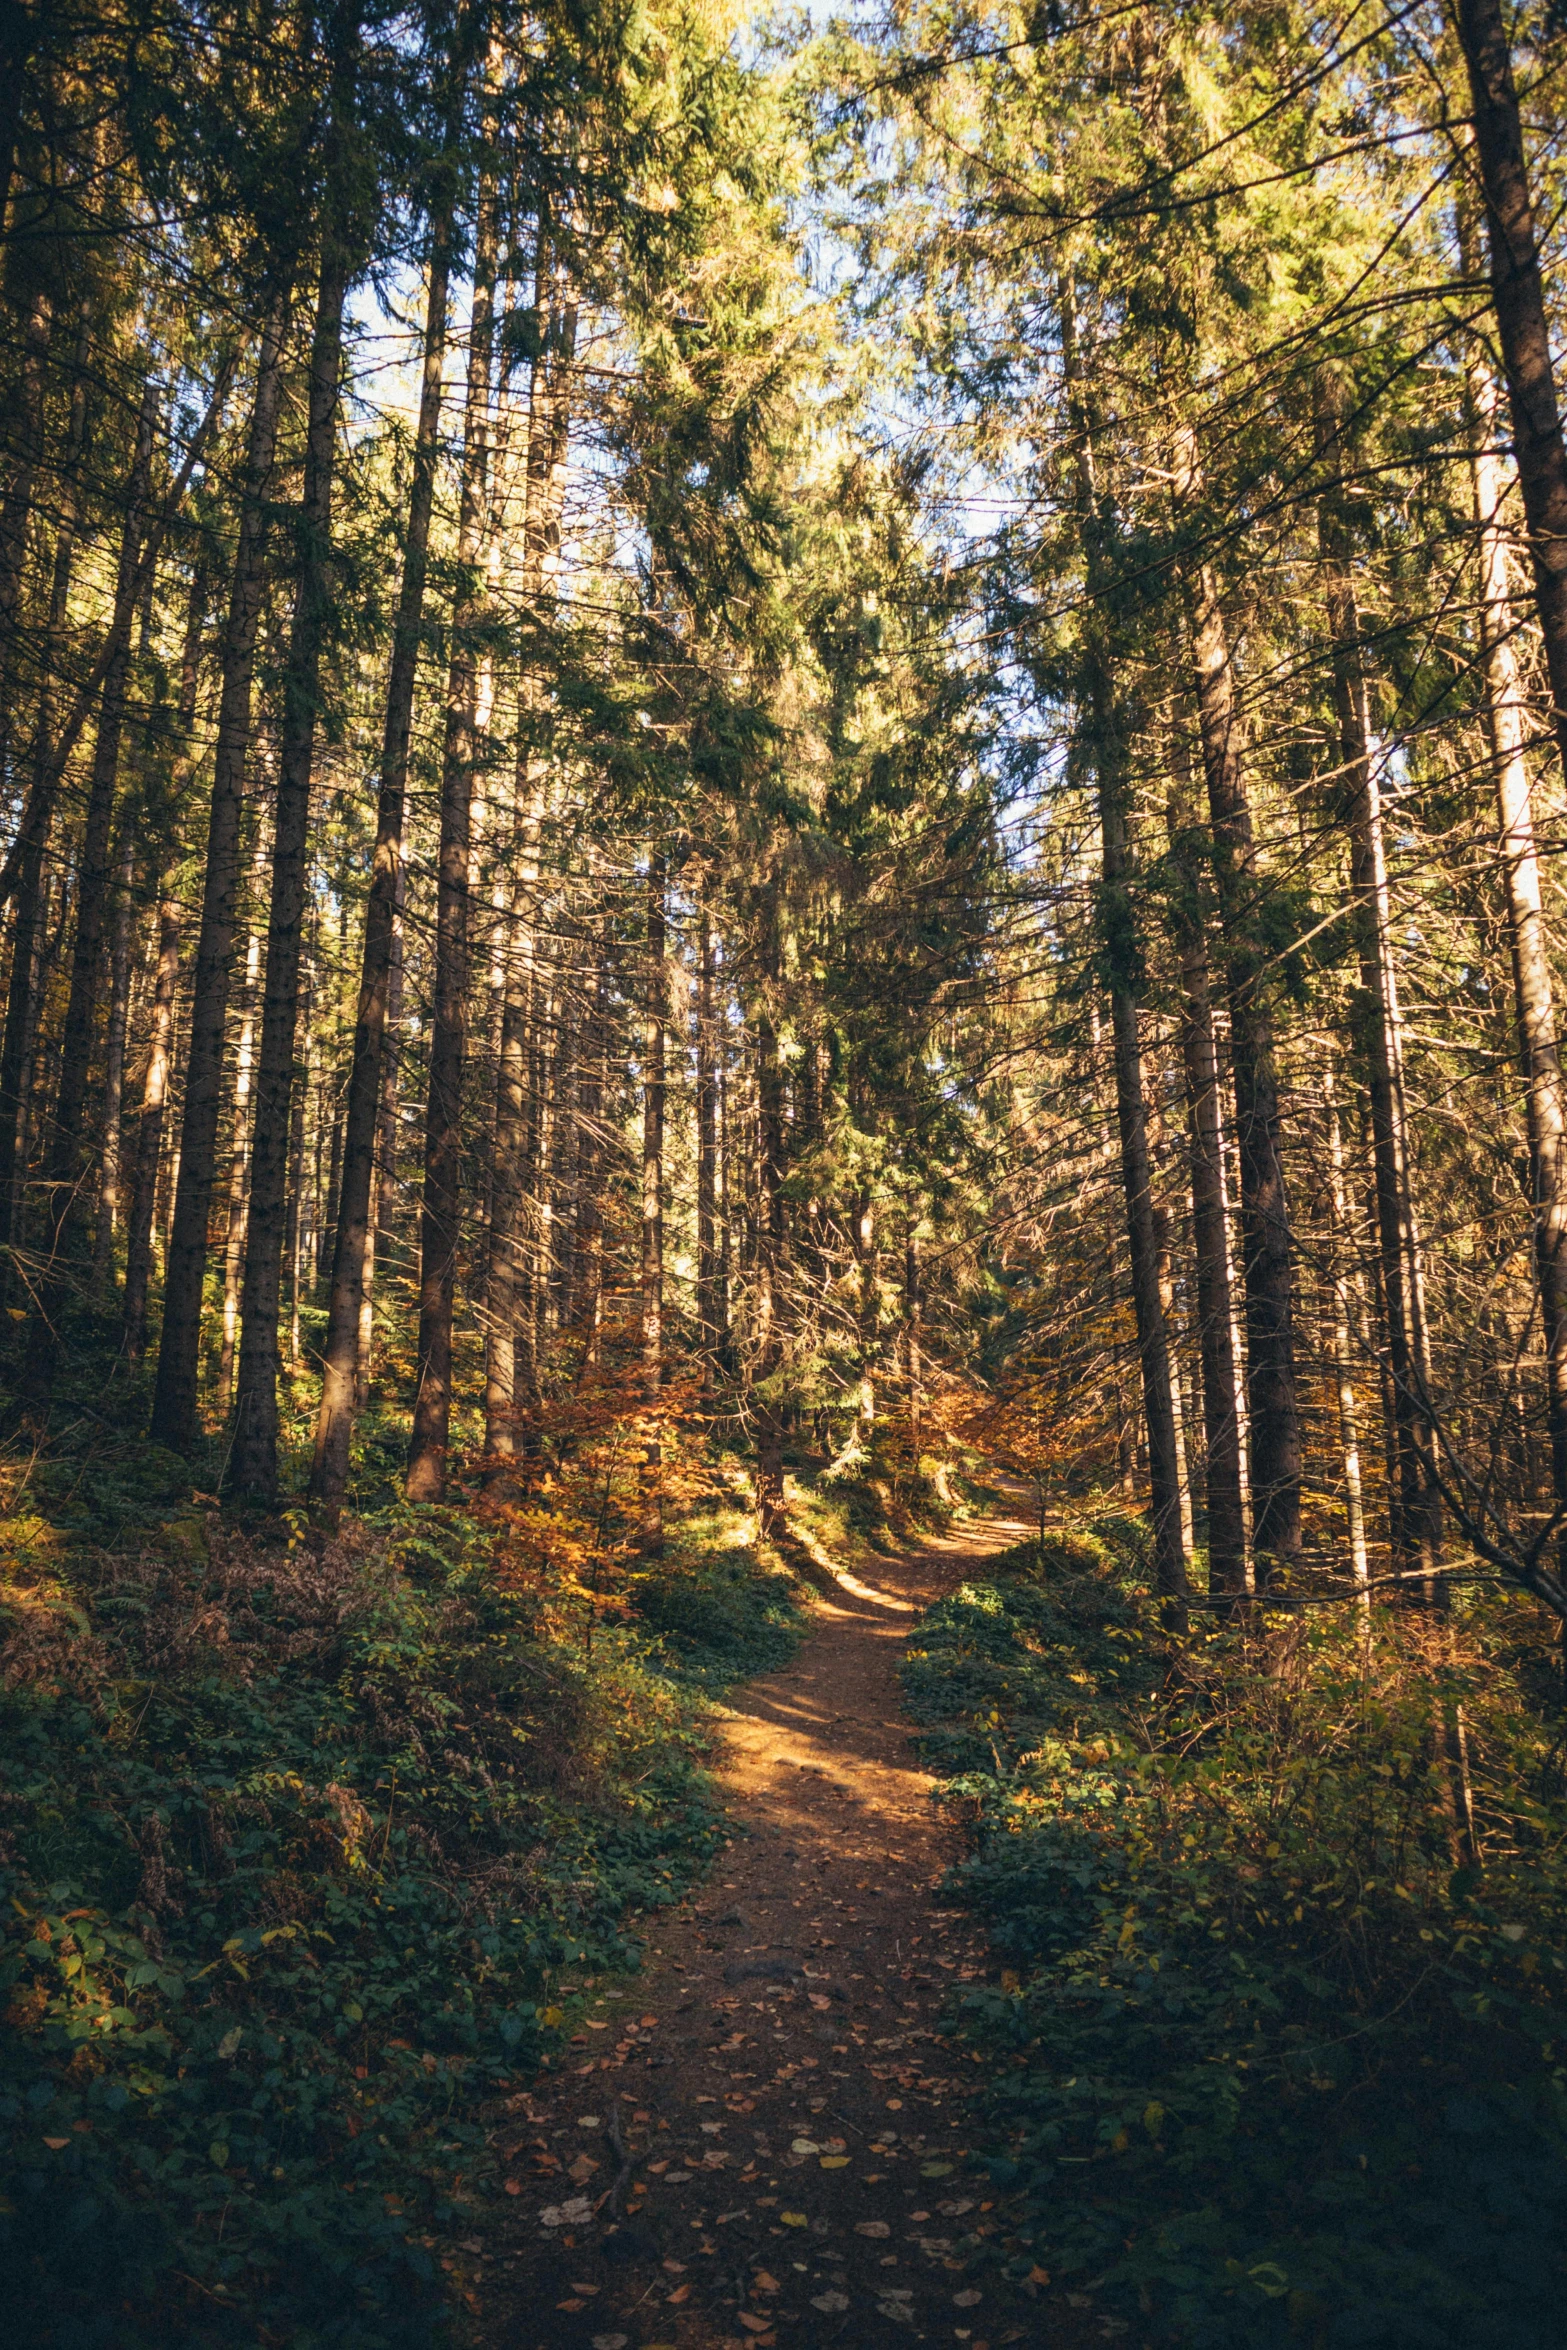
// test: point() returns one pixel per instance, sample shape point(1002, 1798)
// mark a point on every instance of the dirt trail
point(791, 2125)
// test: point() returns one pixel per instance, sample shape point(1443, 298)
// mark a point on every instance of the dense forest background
point(744, 763)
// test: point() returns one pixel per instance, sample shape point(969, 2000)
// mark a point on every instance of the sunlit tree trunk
point(655, 1033)
point(1381, 1023)
point(239, 1178)
point(351, 1294)
point(769, 1275)
point(1108, 750)
point(110, 1204)
point(253, 1463)
point(441, 1207)
point(1267, 1271)
point(706, 1143)
point(1227, 1560)
point(66, 1161)
point(175, 1418)
point(1538, 1041)
point(37, 816)
point(1342, 1355)
point(1523, 329)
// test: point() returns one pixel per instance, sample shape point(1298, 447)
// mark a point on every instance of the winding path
point(791, 2126)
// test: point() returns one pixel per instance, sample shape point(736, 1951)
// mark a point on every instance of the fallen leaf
point(830, 2304)
point(610, 2341)
point(570, 2305)
point(514, 2186)
point(872, 2227)
point(935, 2170)
point(763, 2283)
point(805, 2146)
point(576, 2288)
point(895, 2105)
point(835, 2162)
point(1038, 2275)
point(968, 2300)
point(794, 2219)
point(755, 2325)
point(680, 2293)
point(57, 2143)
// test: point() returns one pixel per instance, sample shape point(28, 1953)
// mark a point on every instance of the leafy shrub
point(1268, 2065)
point(294, 1844)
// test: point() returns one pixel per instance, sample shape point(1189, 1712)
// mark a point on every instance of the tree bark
point(442, 1202)
point(175, 1419)
point(67, 1167)
point(1419, 1520)
point(771, 1239)
point(26, 439)
point(1538, 1039)
point(353, 1243)
point(707, 1307)
point(252, 1469)
point(1343, 1359)
point(149, 1131)
point(1227, 1563)
point(1267, 1271)
point(655, 1014)
point(109, 1182)
point(1518, 294)
point(37, 817)
point(1117, 931)
point(239, 1179)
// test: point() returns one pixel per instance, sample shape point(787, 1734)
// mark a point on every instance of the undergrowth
point(1273, 2060)
point(298, 1840)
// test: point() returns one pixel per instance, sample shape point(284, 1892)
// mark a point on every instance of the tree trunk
point(706, 1146)
point(1265, 1220)
point(239, 1179)
point(33, 831)
point(442, 1203)
point(771, 1237)
point(109, 1182)
point(26, 440)
point(252, 1468)
point(588, 1254)
point(1518, 294)
point(67, 1168)
point(1227, 1564)
point(1342, 1359)
point(149, 1131)
point(1123, 956)
point(655, 1016)
point(352, 1251)
point(1381, 1025)
point(1538, 1042)
point(511, 1401)
point(175, 1419)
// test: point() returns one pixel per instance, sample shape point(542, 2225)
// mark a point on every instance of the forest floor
point(772, 2147)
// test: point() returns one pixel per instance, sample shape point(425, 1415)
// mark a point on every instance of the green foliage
point(717, 1612)
point(295, 1842)
point(1267, 2067)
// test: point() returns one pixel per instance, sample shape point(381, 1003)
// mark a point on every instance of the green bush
point(1267, 2065)
point(293, 1845)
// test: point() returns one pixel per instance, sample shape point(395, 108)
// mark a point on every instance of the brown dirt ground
point(793, 2127)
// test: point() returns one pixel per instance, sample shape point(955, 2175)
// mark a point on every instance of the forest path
point(793, 2127)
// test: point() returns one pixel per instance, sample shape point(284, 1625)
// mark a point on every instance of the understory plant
point(299, 1840)
point(1277, 2049)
